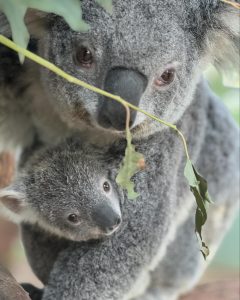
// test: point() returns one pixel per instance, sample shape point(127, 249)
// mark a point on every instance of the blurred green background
point(227, 257)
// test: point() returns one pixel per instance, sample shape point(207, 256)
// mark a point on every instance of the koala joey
point(67, 190)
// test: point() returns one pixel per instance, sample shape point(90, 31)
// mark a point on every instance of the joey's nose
point(128, 84)
point(107, 219)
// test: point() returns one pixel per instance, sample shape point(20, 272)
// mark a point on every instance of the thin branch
point(234, 4)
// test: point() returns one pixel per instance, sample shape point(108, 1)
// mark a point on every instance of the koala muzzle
point(106, 218)
point(128, 84)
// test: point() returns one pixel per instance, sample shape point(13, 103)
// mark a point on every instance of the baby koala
point(68, 189)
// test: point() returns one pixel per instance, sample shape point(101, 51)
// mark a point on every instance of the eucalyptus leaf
point(106, 4)
point(70, 10)
point(15, 11)
point(199, 188)
point(190, 174)
point(200, 204)
point(132, 163)
point(203, 187)
point(205, 250)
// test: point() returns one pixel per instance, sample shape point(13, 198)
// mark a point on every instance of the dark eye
point(106, 186)
point(73, 218)
point(84, 57)
point(166, 78)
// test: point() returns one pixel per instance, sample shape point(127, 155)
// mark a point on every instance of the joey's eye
point(106, 186)
point(84, 57)
point(166, 78)
point(73, 218)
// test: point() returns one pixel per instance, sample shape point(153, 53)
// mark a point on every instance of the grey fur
point(155, 247)
point(146, 36)
point(59, 181)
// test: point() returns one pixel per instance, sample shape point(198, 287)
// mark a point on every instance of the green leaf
point(199, 188)
point(190, 174)
point(15, 11)
point(106, 4)
point(132, 163)
point(70, 10)
point(203, 187)
point(205, 250)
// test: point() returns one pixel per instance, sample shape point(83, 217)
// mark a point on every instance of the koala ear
point(12, 203)
point(222, 41)
point(37, 22)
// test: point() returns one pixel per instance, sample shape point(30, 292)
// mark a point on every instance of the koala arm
point(42, 249)
point(106, 272)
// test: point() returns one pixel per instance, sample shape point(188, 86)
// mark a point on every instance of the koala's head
point(149, 52)
point(68, 190)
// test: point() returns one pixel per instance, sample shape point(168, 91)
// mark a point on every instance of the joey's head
point(148, 52)
point(67, 190)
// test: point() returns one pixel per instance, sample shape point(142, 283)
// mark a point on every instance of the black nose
point(129, 85)
point(106, 218)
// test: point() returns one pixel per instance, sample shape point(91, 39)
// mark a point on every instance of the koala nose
point(106, 218)
point(128, 84)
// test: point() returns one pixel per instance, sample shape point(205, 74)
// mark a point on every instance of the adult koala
point(150, 53)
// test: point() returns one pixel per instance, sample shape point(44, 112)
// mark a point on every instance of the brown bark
point(8, 230)
point(9, 288)
point(6, 169)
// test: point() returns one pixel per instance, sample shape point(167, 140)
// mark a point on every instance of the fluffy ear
point(215, 25)
point(223, 37)
point(12, 203)
point(4, 25)
point(38, 22)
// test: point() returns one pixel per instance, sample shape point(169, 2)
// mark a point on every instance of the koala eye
point(166, 78)
point(73, 218)
point(84, 57)
point(106, 186)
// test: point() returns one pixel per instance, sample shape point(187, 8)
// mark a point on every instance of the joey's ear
point(12, 203)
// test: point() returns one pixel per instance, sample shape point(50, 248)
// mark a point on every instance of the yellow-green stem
point(41, 61)
point(234, 4)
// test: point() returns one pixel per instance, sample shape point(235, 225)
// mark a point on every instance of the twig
point(234, 4)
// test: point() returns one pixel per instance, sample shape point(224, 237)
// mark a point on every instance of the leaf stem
point(128, 135)
point(234, 4)
point(184, 142)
